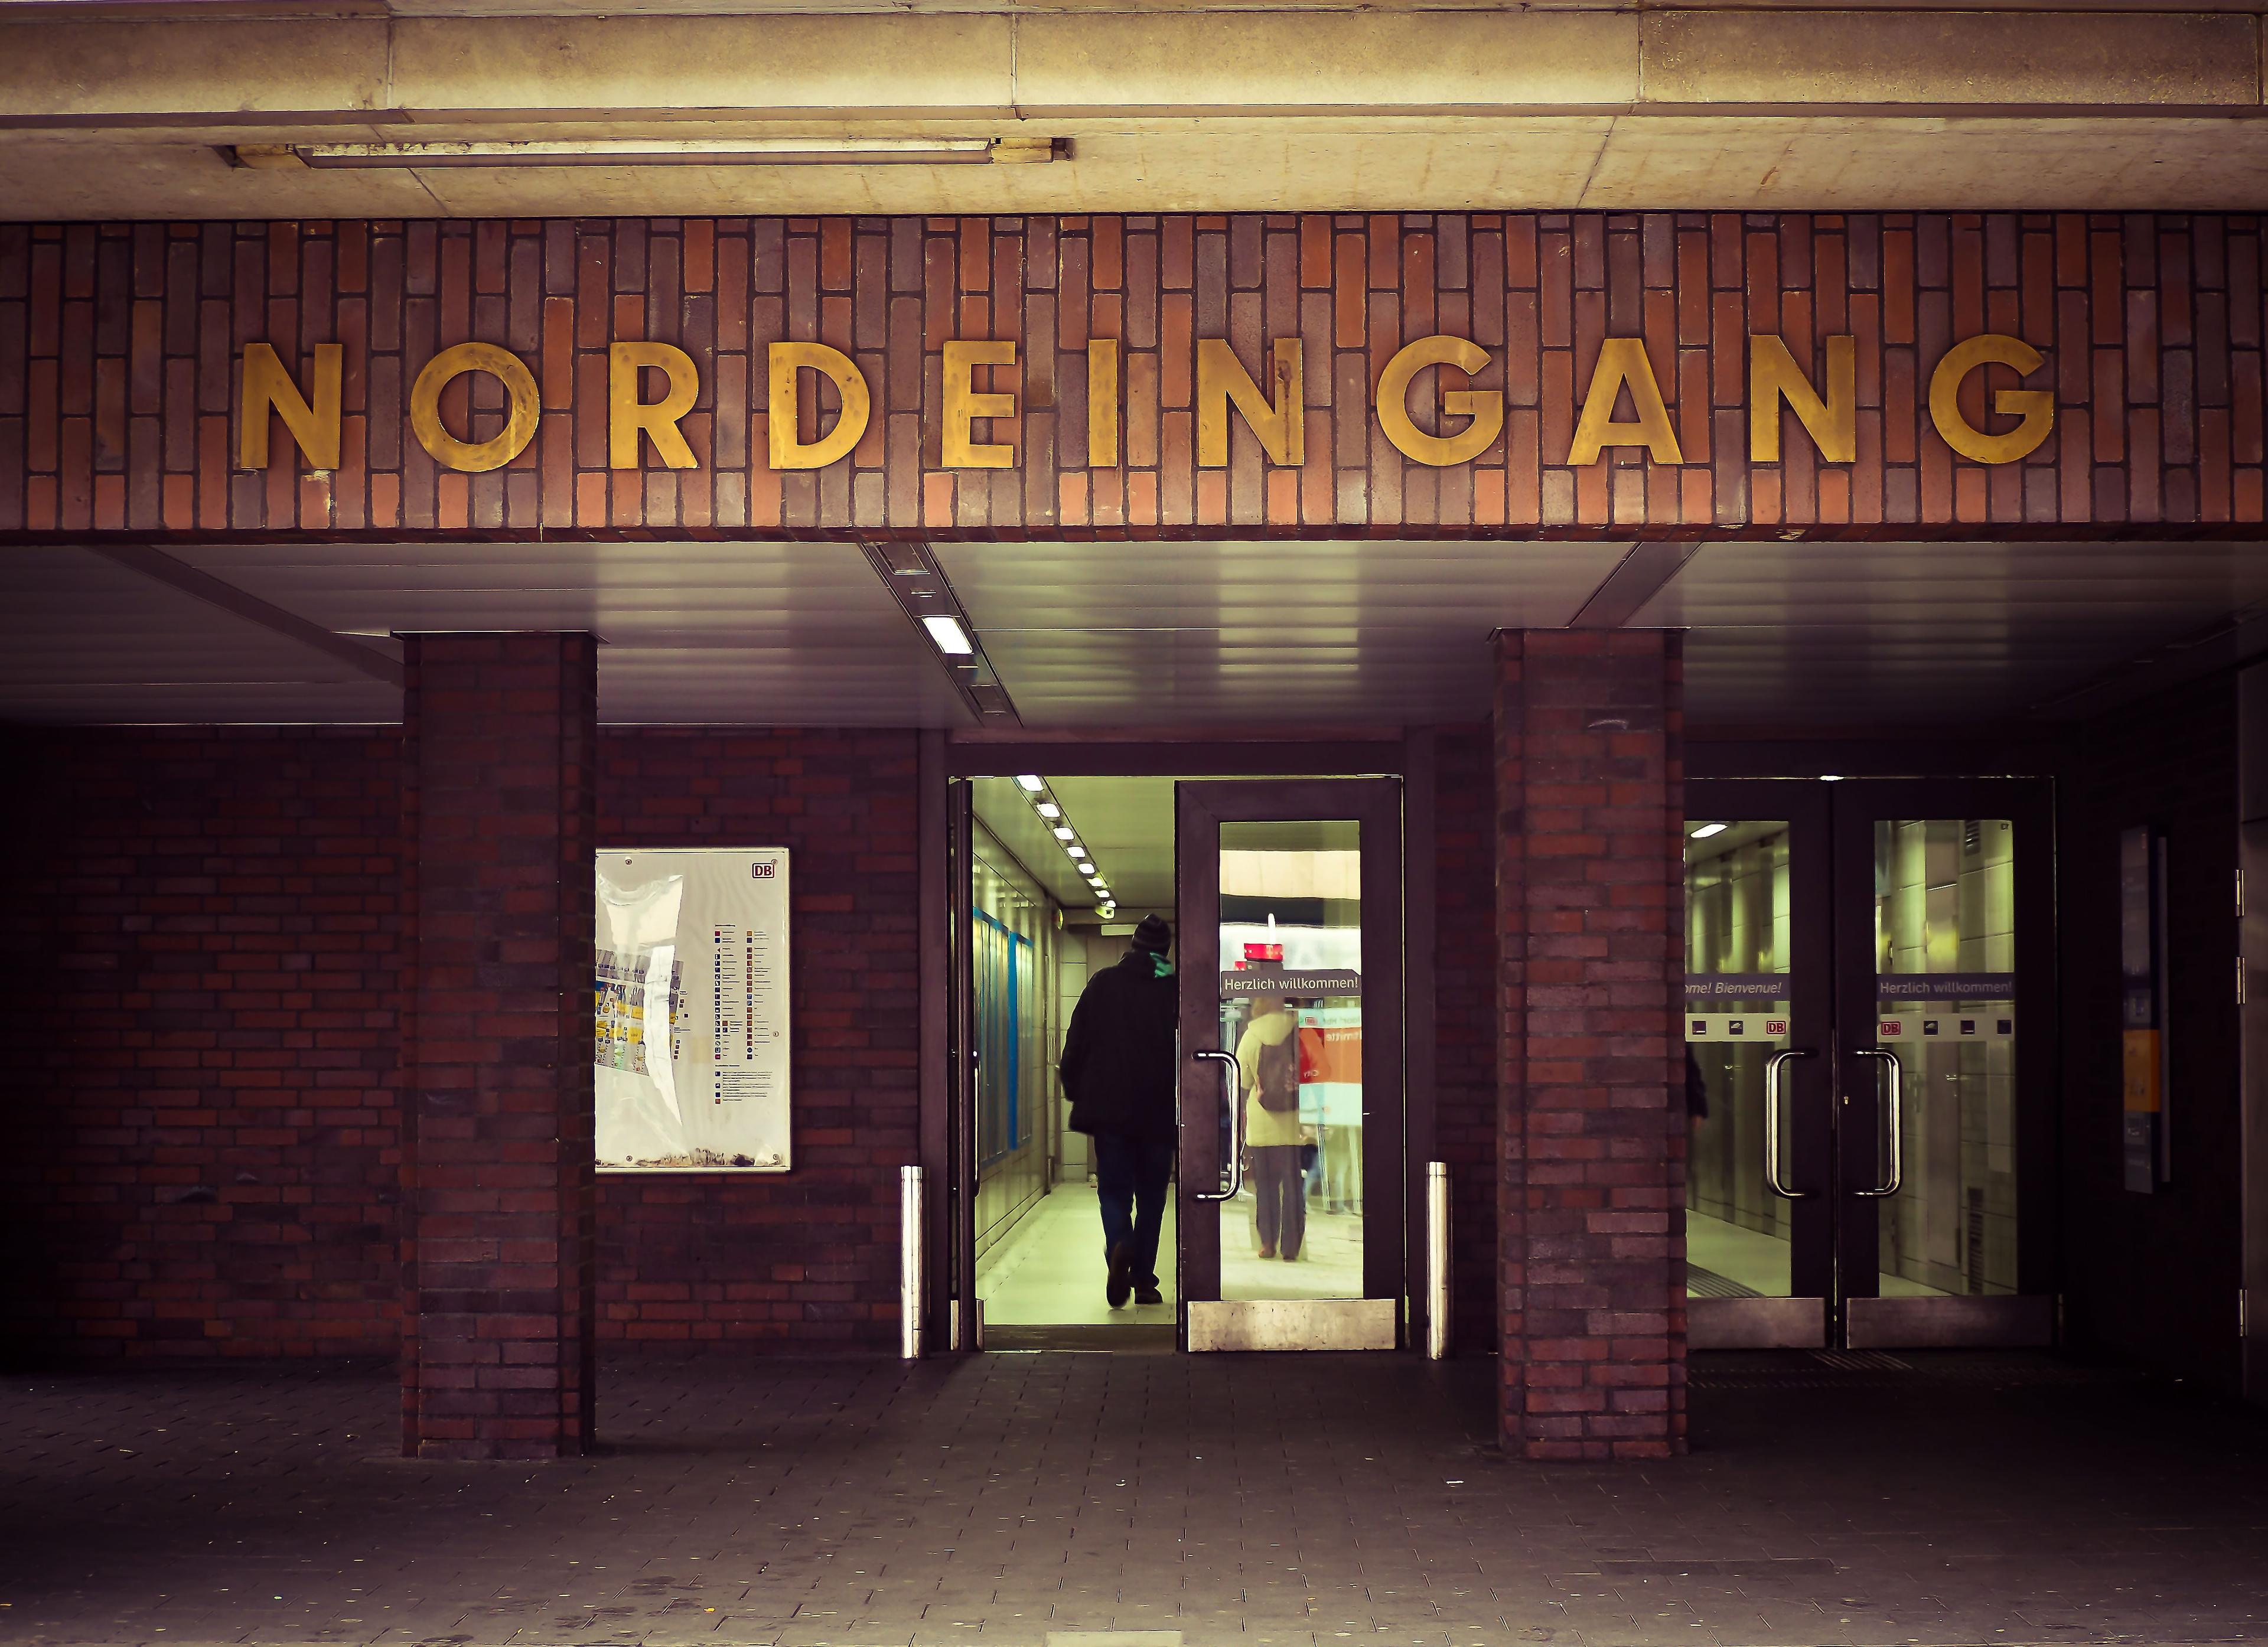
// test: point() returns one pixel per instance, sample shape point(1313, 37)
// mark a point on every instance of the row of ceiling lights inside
point(1051, 814)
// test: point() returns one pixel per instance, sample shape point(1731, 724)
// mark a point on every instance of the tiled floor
point(1048, 1270)
point(1242, 1501)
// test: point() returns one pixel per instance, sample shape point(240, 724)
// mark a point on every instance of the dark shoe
point(1148, 1295)
point(1122, 1279)
point(1267, 1252)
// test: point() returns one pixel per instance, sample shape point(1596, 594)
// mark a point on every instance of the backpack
point(1277, 1076)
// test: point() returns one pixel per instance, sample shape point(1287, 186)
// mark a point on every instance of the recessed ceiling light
point(1063, 832)
point(1702, 832)
point(1076, 850)
point(1047, 809)
point(946, 630)
point(861, 150)
point(1031, 785)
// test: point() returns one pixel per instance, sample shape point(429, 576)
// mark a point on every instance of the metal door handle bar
point(1897, 1122)
point(1235, 1119)
point(1771, 1121)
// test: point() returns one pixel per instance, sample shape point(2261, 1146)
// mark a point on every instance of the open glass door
point(1291, 1209)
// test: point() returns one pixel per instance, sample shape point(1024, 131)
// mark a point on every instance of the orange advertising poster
point(1330, 1052)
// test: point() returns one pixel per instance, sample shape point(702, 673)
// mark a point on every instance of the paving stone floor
point(1241, 1500)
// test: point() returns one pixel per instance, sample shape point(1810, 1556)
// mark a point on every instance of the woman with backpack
point(1269, 1053)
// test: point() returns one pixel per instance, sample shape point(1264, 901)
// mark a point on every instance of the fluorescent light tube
point(658, 152)
point(1047, 809)
point(946, 630)
point(1030, 784)
point(1707, 829)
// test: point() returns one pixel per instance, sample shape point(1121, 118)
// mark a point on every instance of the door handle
point(1771, 1121)
point(1235, 1129)
point(1897, 1123)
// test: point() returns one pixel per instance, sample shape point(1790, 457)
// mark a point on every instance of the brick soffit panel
point(121, 347)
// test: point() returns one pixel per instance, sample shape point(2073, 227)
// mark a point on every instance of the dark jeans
point(1130, 1175)
point(1279, 1189)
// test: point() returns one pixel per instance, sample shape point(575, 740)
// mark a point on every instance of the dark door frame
point(1831, 826)
point(1806, 1095)
point(2029, 806)
point(945, 757)
point(1375, 804)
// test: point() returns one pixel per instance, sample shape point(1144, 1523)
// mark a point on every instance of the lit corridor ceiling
point(1218, 636)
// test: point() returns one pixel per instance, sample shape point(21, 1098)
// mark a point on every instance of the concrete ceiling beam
point(132, 115)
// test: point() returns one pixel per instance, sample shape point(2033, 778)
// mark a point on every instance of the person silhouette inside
point(1117, 1071)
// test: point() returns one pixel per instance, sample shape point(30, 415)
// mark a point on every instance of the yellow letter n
point(1221, 378)
point(1773, 376)
point(267, 388)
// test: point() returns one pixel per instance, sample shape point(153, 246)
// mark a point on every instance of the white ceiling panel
point(1211, 633)
point(85, 640)
point(1127, 824)
point(1884, 633)
point(752, 633)
point(1200, 635)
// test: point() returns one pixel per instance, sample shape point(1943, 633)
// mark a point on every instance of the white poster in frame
point(690, 993)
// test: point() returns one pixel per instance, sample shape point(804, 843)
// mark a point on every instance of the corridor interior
point(1062, 868)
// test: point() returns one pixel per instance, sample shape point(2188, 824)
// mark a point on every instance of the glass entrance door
point(1290, 1208)
point(1865, 961)
point(1759, 1261)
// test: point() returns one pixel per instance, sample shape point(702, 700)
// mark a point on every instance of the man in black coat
point(1118, 1071)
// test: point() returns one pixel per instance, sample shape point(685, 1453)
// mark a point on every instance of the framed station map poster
point(690, 997)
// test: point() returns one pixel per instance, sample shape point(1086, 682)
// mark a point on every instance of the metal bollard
point(910, 1264)
point(1437, 1260)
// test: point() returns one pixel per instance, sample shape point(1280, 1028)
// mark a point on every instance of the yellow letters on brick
point(1484, 407)
point(2036, 408)
point(788, 362)
point(964, 403)
point(519, 429)
point(1773, 376)
point(1282, 426)
point(267, 388)
point(1622, 360)
point(628, 417)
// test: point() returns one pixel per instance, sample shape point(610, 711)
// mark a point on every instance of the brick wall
point(119, 345)
point(2152, 1279)
point(198, 1141)
point(810, 1258)
point(500, 813)
point(1464, 1021)
point(1590, 891)
point(202, 1143)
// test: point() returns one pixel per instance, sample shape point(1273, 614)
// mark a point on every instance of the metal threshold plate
point(1132, 1338)
point(1293, 1323)
point(1756, 1323)
point(1950, 1323)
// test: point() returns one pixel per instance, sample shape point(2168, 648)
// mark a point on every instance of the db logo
point(762, 871)
point(1890, 1028)
point(1775, 1027)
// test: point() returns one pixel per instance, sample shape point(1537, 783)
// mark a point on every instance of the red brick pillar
point(1590, 896)
point(498, 1197)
